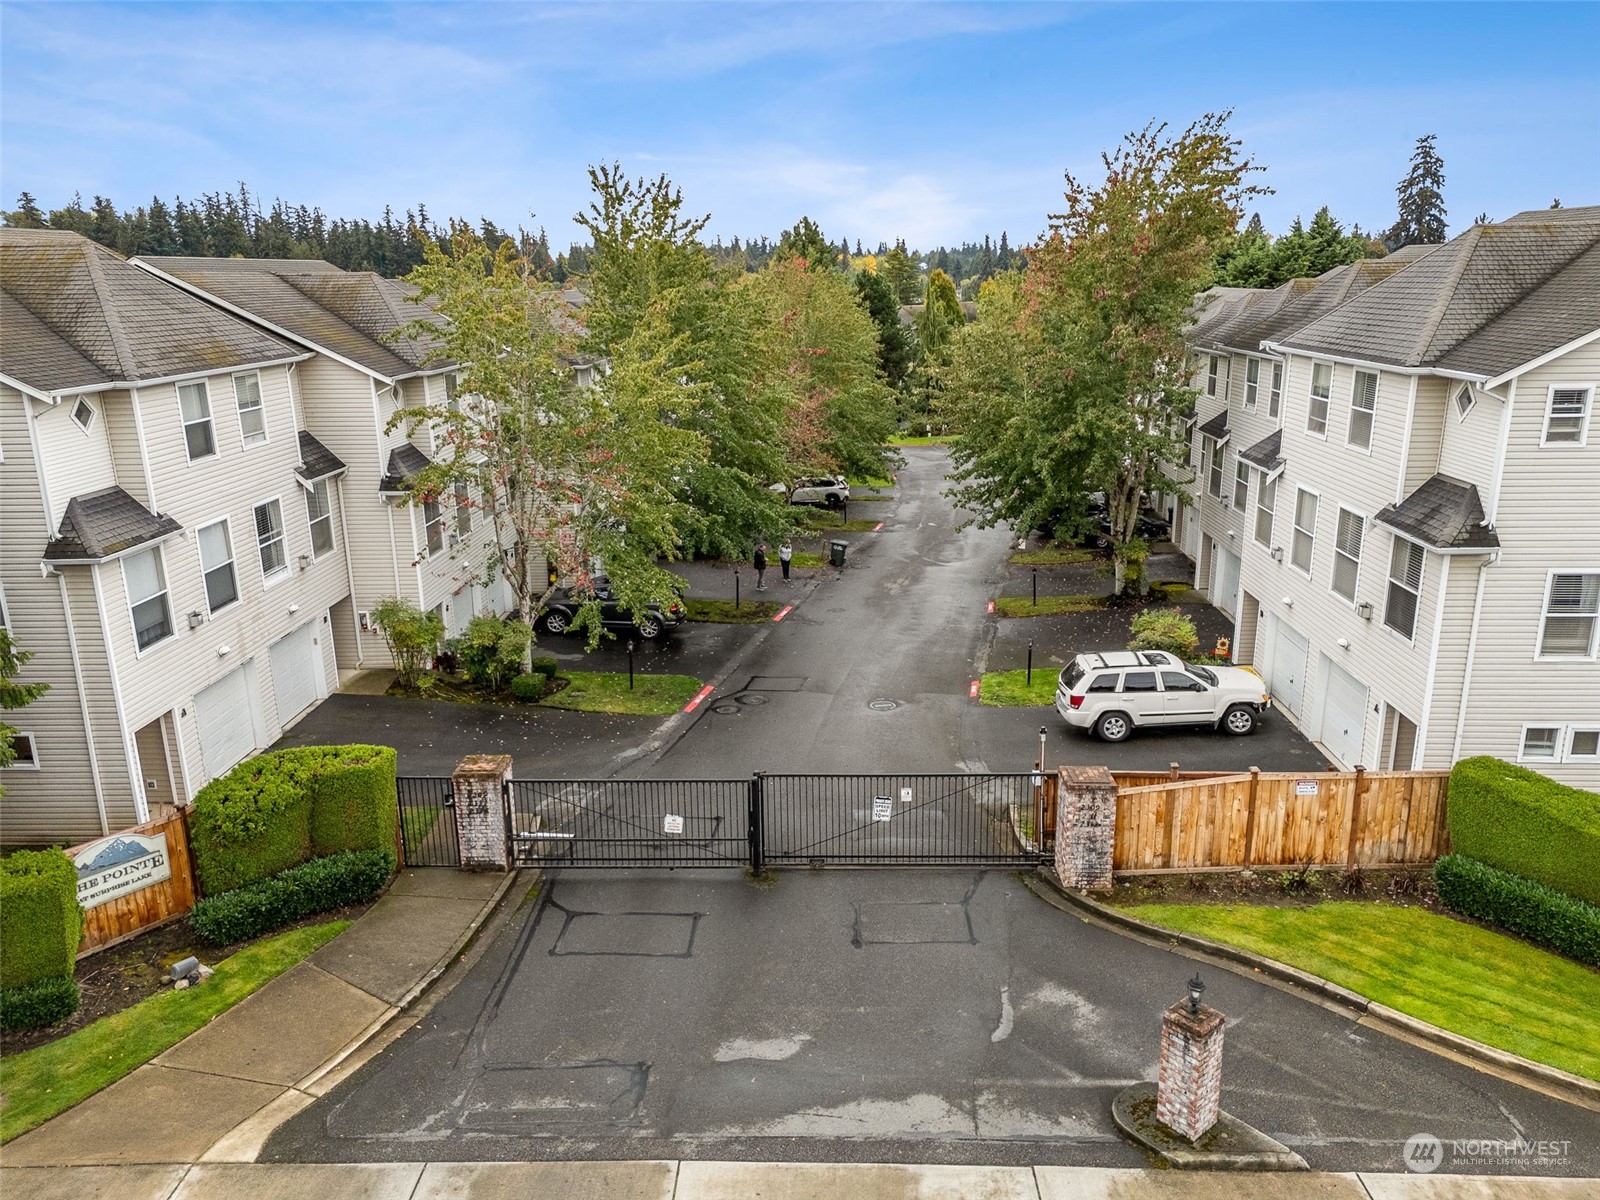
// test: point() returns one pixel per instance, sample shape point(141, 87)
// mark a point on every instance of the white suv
point(1113, 692)
point(830, 491)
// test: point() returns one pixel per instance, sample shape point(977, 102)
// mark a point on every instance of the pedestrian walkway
point(742, 1181)
point(219, 1093)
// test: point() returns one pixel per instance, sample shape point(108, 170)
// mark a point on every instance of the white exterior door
point(1226, 594)
point(226, 724)
point(1287, 680)
point(1344, 713)
point(295, 667)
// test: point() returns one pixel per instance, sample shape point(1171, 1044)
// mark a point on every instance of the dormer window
point(83, 414)
point(1465, 400)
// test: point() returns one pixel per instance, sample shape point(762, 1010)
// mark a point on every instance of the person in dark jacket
point(760, 561)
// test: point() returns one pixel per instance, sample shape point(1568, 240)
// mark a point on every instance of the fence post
point(483, 811)
point(1086, 827)
point(1355, 817)
point(1250, 817)
point(1173, 772)
point(754, 823)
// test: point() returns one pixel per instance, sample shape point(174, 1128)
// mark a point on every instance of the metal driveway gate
point(427, 826)
point(630, 822)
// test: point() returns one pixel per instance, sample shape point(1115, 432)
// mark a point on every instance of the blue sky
point(931, 121)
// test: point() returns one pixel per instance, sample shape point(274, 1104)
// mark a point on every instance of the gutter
point(1283, 349)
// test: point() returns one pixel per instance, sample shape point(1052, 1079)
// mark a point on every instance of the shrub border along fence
point(41, 924)
point(1521, 906)
point(1522, 822)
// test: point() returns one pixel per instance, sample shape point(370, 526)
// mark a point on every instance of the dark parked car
point(562, 611)
point(1150, 526)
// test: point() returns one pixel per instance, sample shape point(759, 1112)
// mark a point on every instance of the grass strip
point(854, 499)
point(1002, 689)
point(722, 612)
point(808, 560)
point(1048, 606)
point(1472, 981)
point(1053, 556)
point(943, 439)
point(607, 692)
point(49, 1079)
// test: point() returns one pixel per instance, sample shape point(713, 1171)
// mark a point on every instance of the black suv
point(562, 611)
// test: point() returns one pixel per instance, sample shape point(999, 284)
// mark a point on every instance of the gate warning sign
point(673, 824)
point(905, 795)
point(1305, 787)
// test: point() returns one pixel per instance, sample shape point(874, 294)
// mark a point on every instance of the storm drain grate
point(882, 705)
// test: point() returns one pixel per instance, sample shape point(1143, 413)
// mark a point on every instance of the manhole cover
point(750, 698)
point(725, 709)
point(882, 705)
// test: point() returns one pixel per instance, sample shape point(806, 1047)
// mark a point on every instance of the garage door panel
point(295, 666)
point(226, 723)
point(1344, 713)
point(1226, 594)
point(1291, 654)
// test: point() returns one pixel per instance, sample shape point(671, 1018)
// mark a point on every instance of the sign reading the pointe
point(673, 824)
point(882, 808)
point(117, 865)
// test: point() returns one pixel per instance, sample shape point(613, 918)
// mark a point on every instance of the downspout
point(141, 807)
point(349, 570)
point(1472, 654)
point(83, 703)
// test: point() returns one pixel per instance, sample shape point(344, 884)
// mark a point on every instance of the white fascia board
point(125, 385)
point(1283, 350)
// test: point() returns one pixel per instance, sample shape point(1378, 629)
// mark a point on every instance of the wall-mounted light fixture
point(1277, 554)
point(293, 608)
point(1288, 601)
point(196, 619)
point(1364, 610)
point(305, 561)
point(223, 651)
point(1343, 643)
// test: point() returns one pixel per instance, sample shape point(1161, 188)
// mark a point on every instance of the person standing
point(785, 556)
point(760, 562)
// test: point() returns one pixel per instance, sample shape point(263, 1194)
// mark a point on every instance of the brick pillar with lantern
point(1189, 1074)
point(1086, 827)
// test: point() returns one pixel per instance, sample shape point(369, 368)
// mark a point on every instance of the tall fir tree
point(1421, 194)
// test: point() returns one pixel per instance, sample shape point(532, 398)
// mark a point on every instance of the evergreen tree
point(1002, 257)
point(900, 273)
point(73, 217)
point(894, 342)
point(1421, 195)
point(27, 215)
point(805, 241)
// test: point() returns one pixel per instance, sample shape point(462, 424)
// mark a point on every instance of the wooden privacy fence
point(1261, 819)
point(161, 901)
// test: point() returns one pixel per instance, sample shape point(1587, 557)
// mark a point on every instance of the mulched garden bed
point(1283, 887)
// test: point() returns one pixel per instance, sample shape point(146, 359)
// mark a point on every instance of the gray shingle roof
point(75, 316)
point(1439, 303)
point(104, 523)
point(316, 460)
point(353, 314)
point(1443, 513)
point(1267, 453)
point(1217, 426)
point(405, 463)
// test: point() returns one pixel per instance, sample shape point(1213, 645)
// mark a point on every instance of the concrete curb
point(1552, 1081)
point(1231, 1145)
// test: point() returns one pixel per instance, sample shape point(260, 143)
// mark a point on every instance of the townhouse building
point(1397, 497)
point(172, 539)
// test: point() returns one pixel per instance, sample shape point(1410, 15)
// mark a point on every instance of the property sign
point(673, 824)
point(1305, 787)
point(882, 808)
point(119, 864)
point(905, 795)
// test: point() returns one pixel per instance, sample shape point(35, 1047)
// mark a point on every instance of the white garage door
point(222, 712)
point(1226, 594)
point(1344, 713)
point(294, 672)
point(1290, 653)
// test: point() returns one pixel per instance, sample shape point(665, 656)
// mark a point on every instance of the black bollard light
point(736, 589)
point(630, 664)
point(1036, 587)
point(1030, 662)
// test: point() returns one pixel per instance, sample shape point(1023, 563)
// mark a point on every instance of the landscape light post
point(736, 589)
point(630, 664)
point(1030, 663)
point(1036, 587)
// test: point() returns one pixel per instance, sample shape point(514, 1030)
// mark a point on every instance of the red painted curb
point(877, 527)
point(782, 613)
point(699, 696)
point(990, 609)
point(972, 692)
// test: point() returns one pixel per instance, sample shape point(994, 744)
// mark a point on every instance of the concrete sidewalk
point(218, 1094)
point(655, 1180)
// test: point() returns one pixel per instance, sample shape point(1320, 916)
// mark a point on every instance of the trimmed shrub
point(1520, 906)
point(492, 649)
point(546, 666)
point(34, 1005)
point(303, 891)
point(40, 921)
point(530, 685)
point(1520, 821)
point(353, 800)
point(1164, 629)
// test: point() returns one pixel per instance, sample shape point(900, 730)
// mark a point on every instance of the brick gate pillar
point(478, 785)
point(1086, 827)
point(1189, 1077)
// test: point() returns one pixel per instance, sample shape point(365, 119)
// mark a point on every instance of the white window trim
point(233, 552)
point(283, 572)
point(94, 415)
point(1312, 398)
point(1422, 583)
point(1588, 414)
point(1272, 511)
point(333, 537)
point(33, 764)
point(1241, 474)
point(1252, 388)
point(1366, 524)
point(1372, 429)
point(128, 602)
point(1213, 373)
point(1571, 732)
point(1561, 740)
point(1544, 611)
point(444, 542)
point(211, 418)
point(266, 426)
point(1275, 390)
point(1294, 527)
point(1472, 402)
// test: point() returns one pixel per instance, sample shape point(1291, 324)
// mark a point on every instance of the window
point(1568, 418)
point(194, 402)
point(1363, 405)
point(147, 597)
point(1347, 553)
point(1211, 376)
point(1405, 587)
point(83, 414)
point(1275, 396)
point(1321, 392)
point(1177, 681)
point(1585, 743)
point(1570, 614)
point(1266, 499)
point(1139, 681)
point(1465, 400)
point(1241, 484)
point(24, 754)
point(216, 562)
point(319, 513)
point(252, 413)
point(1560, 743)
point(463, 510)
point(1541, 741)
point(1104, 683)
point(1305, 529)
point(1252, 382)
point(269, 537)
point(1188, 445)
point(1215, 484)
point(433, 523)
point(450, 400)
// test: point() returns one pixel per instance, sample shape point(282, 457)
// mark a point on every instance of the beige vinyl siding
point(1547, 518)
point(75, 462)
point(1450, 669)
point(99, 663)
point(122, 435)
point(1471, 445)
point(1427, 432)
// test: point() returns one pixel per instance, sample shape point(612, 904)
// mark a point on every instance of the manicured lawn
point(1053, 556)
point(869, 498)
point(1048, 606)
point(808, 560)
point(722, 612)
point(39, 1083)
point(607, 692)
point(832, 522)
point(940, 440)
point(1483, 985)
point(1002, 688)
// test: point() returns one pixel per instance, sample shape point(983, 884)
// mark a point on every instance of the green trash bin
point(836, 557)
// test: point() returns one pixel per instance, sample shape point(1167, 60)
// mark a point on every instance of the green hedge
point(302, 891)
point(43, 1002)
point(1521, 906)
point(279, 809)
point(529, 686)
point(40, 921)
point(1520, 821)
